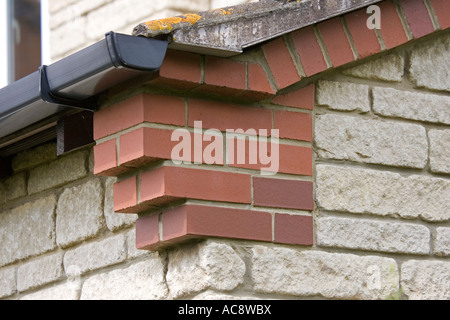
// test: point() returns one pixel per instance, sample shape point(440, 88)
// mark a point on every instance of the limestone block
point(33, 157)
point(39, 272)
point(132, 251)
point(426, 280)
point(343, 96)
point(387, 68)
point(7, 281)
point(27, 230)
point(429, 64)
point(15, 186)
point(115, 221)
point(411, 105)
point(363, 234)
point(442, 242)
point(208, 265)
point(382, 193)
point(67, 290)
point(58, 172)
point(439, 150)
point(96, 255)
point(371, 141)
point(288, 271)
point(143, 280)
point(79, 214)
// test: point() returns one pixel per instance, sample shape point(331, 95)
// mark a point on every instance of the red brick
point(243, 153)
point(167, 184)
point(296, 160)
point(204, 221)
point(289, 229)
point(277, 193)
point(147, 232)
point(281, 63)
point(418, 17)
point(138, 109)
point(182, 70)
point(125, 196)
point(293, 125)
point(292, 159)
point(392, 30)
point(302, 98)
point(365, 39)
point(336, 42)
point(308, 49)
point(164, 109)
point(132, 153)
point(145, 145)
point(442, 11)
point(257, 79)
point(118, 117)
point(223, 116)
point(211, 148)
point(225, 73)
point(105, 158)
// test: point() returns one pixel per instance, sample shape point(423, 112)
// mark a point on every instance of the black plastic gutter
point(30, 106)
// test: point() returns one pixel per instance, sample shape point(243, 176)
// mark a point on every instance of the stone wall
point(382, 140)
point(53, 212)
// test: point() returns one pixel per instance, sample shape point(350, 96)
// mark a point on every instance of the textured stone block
point(442, 242)
point(426, 280)
point(343, 96)
point(96, 255)
point(132, 251)
point(373, 235)
point(27, 230)
point(39, 272)
point(411, 105)
point(382, 193)
point(7, 282)
point(13, 188)
point(330, 275)
point(79, 214)
point(143, 280)
point(429, 64)
point(371, 141)
point(33, 157)
point(68, 290)
point(115, 221)
point(387, 68)
point(57, 173)
point(439, 150)
point(206, 266)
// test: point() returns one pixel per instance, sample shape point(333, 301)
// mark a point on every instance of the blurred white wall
point(3, 47)
point(75, 24)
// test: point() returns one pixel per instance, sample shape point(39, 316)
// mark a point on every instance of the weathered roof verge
point(228, 31)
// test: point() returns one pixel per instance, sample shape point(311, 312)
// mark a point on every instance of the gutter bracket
point(112, 49)
point(47, 95)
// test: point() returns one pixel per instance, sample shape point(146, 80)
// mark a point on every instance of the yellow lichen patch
point(192, 18)
point(222, 11)
point(169, 23)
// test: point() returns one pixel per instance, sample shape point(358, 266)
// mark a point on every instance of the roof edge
point(228, 31)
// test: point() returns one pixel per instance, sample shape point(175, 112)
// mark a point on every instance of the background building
point(36, 32)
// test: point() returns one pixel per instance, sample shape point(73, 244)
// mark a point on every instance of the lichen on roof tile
point(168, 24)
point(228, 31)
